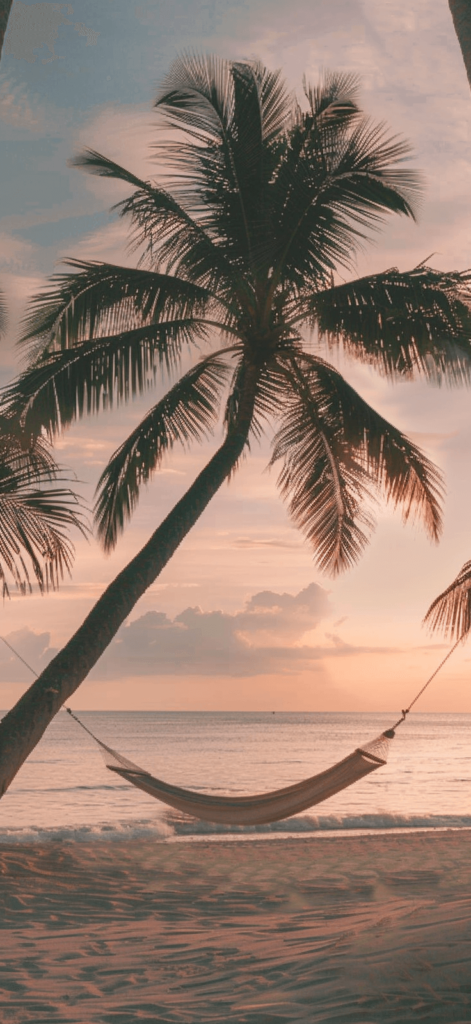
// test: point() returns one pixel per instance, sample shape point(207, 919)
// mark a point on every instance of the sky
point(241, 618)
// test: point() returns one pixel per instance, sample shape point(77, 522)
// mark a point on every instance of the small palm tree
point(262, 202)
point(34, 517)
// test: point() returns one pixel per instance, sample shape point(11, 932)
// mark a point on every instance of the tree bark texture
point(5, 8)
point(461, 14)
point(22, 727)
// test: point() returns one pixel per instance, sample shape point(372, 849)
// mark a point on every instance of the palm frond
point(185, 414)
point(26, 452)
point(248, 153)
point(276, 102)
point(402, 323)
point(61, 387)
point(104, 299)
point(197, 95)
point(232, 112)
point(405, 477)
point(334, 98)
point(373, 183)
point(325, 484)
point(200, 95)
point(337, 452)
point(334, 182)
point(451, 611)
point(33, 543)
point(95, 163)
point(168, 236)
point(34, 519)
point(163, 230)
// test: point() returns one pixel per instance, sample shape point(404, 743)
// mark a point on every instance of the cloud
point(283, 615)
point(254, 641)
point(109, 243)
point(17, 109)
point(247, 543)
point(89, 33)
point(16, 254)
point(263, 638)
point(32, 26)
point(32, 647)
point(91, 452)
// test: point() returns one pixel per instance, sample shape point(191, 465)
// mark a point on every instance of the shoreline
point(84, 835)
point(345, 930)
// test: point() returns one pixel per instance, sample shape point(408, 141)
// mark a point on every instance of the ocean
point(65, 791)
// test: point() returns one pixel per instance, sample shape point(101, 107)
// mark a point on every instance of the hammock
point(262, 808)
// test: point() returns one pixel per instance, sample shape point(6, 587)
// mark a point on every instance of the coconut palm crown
point(262, 203)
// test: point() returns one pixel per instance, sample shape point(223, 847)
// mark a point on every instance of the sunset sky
point(241, 618)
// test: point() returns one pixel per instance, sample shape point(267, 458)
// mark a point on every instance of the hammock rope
point(405, 711)
point(260, 808)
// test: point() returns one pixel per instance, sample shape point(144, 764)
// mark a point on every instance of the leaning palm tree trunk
point(22, 728)
point(461, 14)
point(5, 8)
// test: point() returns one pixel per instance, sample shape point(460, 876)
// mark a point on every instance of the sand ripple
point(362, 930)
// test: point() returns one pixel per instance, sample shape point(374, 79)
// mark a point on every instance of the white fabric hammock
point(262, 808)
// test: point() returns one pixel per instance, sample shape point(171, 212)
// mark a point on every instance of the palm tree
point(263, 200)
point(33, 517)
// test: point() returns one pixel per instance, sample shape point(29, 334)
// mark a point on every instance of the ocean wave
point(86, 833)
point(310, 823)
point(174, 827)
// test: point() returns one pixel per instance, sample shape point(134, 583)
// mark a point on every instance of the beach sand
point(359, 929)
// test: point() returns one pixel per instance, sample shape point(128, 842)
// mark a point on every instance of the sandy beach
point(359, 929)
